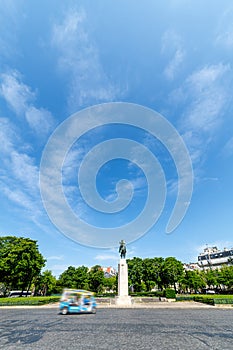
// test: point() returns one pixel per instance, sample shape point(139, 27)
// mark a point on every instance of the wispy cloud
point(204, 97)
point(17, 94)
point(79, 57)
point(40, 120)
point(113, 255)
point(21, 98)
point(228, 148)
point(58, 268)
point(224, 36)
point(19, 173)
point(55, 257)
point(173, 48)
point(210, 95)
point(106, 257)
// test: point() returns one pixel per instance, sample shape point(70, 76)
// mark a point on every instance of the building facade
point(214, 258)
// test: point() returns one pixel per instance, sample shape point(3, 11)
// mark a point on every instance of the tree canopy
point(20, 262)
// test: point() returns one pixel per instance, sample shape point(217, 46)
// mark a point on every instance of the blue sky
point(174, 57)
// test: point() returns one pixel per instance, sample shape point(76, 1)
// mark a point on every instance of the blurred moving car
point(19, 293)
point(77, 301)
point(210, 291)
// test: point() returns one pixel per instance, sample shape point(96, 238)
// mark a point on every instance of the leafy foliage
point(135, 272)
point(20, 262)
point(45, 283)
point(192, 281)
point(83, 278)
point(96, 279)
point(172, 272)
point(170, 293)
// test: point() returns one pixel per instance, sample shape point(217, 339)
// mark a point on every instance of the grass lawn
point(212, 299)
point(28, 301)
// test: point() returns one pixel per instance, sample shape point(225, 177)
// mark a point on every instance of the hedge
point(147, 294)
point(170, 293)
point(185, 298)
point(28, 301)
point(204, 300)
point(223, 301)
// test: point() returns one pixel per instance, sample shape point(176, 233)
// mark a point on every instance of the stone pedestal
point(123, 298)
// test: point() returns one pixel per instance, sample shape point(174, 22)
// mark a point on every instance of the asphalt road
point(120, 329)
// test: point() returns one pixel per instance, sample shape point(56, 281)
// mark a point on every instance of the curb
point(157, 305)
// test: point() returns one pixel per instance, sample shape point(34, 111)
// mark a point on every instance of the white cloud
point(58, 269)
point(19, 197)
point(137, 185)
point(7, 135)
point(210, 94)
point(20, 99)
point(24, 170)
point(18, 174)
point(228, 148)
point(113, 254)
point(16, 163)
point(173, 48)
point(201, 79)
point(54, 257)
point(204, 97)
point(224, 36)
point(39, 119)
point(174, 64)
point(71, 163)
point(17, 94)
point(103, 257)
point(79, 58)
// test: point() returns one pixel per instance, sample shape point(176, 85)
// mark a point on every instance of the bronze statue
point(122, 249)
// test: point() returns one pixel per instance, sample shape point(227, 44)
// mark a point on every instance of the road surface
point(121, 329)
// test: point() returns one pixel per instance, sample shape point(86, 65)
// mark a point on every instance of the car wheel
point(64, 311)
point(93, 311)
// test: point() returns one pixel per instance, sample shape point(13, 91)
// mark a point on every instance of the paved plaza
point(114, 328)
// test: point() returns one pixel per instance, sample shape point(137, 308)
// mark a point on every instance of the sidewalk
point(164, 305)
point(156, 305)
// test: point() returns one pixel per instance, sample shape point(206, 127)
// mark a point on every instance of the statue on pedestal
point(123, 298)
point(122, 249)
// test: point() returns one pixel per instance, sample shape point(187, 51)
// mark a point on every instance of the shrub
point(170, 293)
point(205, 300)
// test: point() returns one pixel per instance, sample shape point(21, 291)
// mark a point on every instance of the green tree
point(81, 277)
point(46, 283)
point(20, 262)
point(96, 279)
point(135, 273)
point(210, 277)
point(110, 283)
point(67, 278)
point(192, 281)
point(172, 272)
point(152, 272)
point(227, 276)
